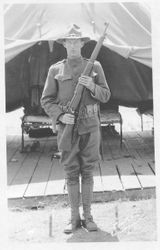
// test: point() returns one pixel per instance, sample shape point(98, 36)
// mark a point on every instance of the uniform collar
point(75, 61)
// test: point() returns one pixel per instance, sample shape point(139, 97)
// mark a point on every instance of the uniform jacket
point(60, 85)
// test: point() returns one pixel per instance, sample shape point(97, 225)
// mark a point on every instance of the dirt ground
point(116, 220)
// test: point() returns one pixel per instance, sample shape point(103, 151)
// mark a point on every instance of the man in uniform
point(60, 85)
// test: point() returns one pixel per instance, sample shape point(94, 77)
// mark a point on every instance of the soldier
point(60, 85)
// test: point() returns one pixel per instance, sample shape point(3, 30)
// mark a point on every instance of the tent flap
point(30, 48)
point(28, 23)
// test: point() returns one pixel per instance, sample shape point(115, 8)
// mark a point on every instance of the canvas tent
point(126, 56)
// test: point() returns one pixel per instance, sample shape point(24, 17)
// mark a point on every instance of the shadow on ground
point(82, 235)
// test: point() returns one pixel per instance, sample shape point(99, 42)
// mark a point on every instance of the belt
point(88, 111)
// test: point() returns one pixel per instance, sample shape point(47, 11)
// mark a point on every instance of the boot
point(74, 199)
point(87, 193)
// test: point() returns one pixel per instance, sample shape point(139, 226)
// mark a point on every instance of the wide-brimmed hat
point(73, 32)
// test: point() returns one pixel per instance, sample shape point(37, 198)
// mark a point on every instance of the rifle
point(65, 142)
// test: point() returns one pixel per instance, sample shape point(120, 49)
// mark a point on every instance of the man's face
point(73, 47)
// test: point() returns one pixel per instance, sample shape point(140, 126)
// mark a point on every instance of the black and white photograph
point(80, 145)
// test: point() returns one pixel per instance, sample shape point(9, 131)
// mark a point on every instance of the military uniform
point(59, 89)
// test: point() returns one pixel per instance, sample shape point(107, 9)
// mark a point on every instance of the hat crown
point(74, 31)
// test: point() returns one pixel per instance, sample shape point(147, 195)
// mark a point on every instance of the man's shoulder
point(58, 64)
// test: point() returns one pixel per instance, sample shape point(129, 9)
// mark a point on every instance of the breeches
point(81, 160)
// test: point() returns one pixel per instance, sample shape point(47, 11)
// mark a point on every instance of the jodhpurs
point(81, 160)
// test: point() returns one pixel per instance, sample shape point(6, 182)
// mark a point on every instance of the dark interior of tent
point(130, 81)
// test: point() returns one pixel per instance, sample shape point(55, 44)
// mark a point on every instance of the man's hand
point(87, 82)
point(67, 118)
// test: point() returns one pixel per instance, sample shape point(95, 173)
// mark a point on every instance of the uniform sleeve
point(101, 92)
point(49, 100)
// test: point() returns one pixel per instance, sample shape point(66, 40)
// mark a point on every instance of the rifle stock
point(65, 142)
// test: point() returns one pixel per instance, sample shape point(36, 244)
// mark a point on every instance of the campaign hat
point(73, 32)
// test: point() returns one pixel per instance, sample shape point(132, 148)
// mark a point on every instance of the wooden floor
point(35, 173)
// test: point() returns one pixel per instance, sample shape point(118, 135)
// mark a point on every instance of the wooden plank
point(110, 180)
point(44, 164)
point(17, 190)
point(39, 179)
point(151, 164)
point(148, 145)
point(148, 160)
point(35, 188)
point(56, 179)
point(128, 177)
point(12, 148)
point(141, 167)
point(110, 176)
point(138, 161)
point(26, 171)
point(142, 170)
point(146, 152)
point(14, 166)
point(29, 177)
point(143, 147)
point(146, 180)
point(12, 172)
point(110, 183)
point(57, 172)
point(124, 167)
point(31, 162)
point(55, 187)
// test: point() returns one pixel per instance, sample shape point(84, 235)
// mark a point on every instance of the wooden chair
point(33, 122)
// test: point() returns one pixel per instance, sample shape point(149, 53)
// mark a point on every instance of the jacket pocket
point(62, 78)
point(65, 86)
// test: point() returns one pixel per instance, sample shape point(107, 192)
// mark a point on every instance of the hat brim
point(62, 40)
